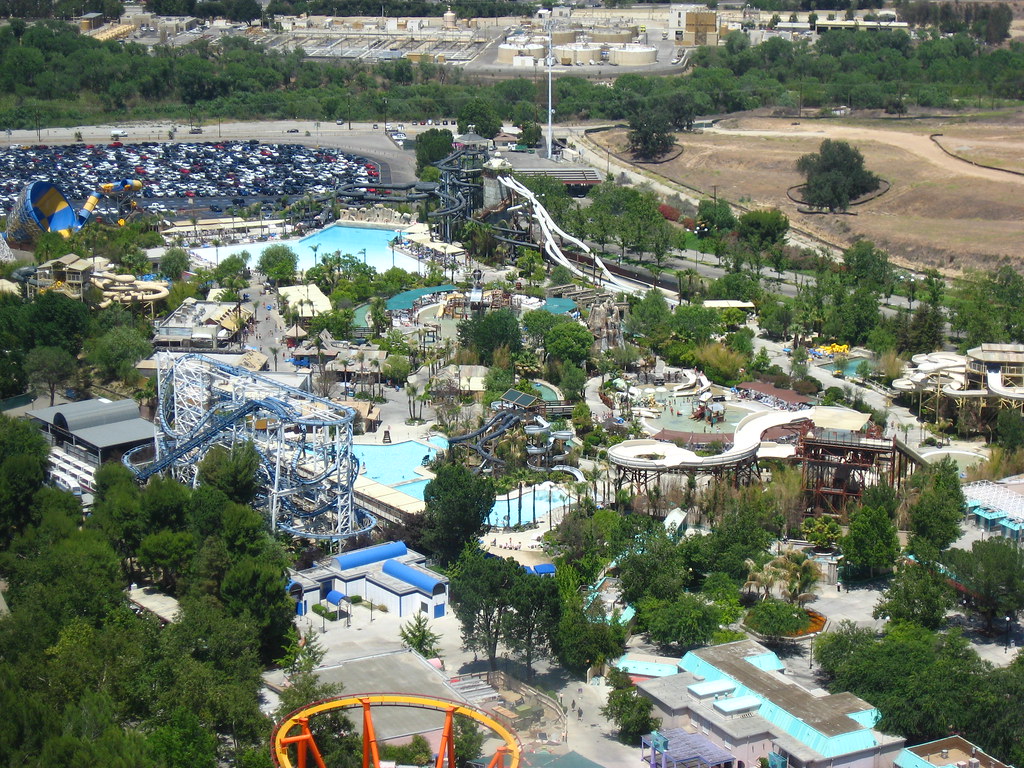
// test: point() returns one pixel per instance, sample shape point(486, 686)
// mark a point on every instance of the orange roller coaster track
point(506, 756)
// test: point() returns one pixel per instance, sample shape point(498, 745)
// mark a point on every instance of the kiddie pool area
point(337, 237)
point(848, 368)
point(963, 459)
point(400, 466)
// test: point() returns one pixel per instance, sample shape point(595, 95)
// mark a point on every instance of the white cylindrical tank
point(450, 19)
point(577, 53)
point(508, 52)
point(633, 55)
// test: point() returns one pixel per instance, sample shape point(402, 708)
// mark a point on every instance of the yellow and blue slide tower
point(42, 207)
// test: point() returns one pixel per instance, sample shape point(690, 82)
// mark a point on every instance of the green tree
point(234, 471)
point(918, 594)
point(835, 175)
point(763, 229)
point(538, 322)
point(457, 505)
point(713, 217)
point(774, 619)
point(173, 263)
point(380, 320)
point(482, 116)
point(833, 649)
point(116, 353)
point(21, 478)
point(992, 572)
point(823, 532)
point(51, 367)
point(935, 517)
point(432, 145)
point(533, 618)
point(488, 332)
point(685, 621)
point(251, 590)
point(630, 711)
point(650, 135)
point(871, 542)
point(56, 320)
point(482, 592)
point(278, 263)
point(650, 315)
point(568, 343)
point(417, 636)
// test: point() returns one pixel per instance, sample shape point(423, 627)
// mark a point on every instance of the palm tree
point(801, 574)
point(273, 352)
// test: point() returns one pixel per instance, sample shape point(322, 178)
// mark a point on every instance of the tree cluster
point(86, 680)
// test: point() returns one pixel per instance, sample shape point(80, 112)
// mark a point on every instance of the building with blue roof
point(388, 574)
point(738, 696)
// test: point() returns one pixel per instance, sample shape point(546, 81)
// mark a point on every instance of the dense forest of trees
point(53, 76)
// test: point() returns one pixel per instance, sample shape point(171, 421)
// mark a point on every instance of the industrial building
point(85, 434)
point(739, 698)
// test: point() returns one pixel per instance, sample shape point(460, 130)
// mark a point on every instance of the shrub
point(668, 212)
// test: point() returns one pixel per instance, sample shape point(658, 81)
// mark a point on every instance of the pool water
point(849, 368)
point(506, 512)
point(682, 422)
point(414, 489)
point(547, 394)
point(337, 237)
point(395, 463)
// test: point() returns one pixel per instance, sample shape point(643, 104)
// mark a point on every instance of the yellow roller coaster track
point(508, 755)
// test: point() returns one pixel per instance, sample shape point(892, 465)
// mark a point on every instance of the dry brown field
point(940, 211)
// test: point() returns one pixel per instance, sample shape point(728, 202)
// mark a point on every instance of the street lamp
point(1008, 620)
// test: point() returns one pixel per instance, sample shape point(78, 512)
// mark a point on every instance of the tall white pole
point(551, 61)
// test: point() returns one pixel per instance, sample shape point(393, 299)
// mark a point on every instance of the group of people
point(426, 253)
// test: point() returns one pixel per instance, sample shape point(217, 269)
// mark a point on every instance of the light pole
point(392, 254)
point(1008, 620)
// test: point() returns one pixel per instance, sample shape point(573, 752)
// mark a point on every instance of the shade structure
point(334, 597)
point(295, 332)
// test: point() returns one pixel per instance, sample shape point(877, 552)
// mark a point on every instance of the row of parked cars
point(228, 170)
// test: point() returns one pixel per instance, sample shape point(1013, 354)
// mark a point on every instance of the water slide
point(994, 380)
point(658, 455)
point(43, 207)
point(492, 430)
point(549, 229)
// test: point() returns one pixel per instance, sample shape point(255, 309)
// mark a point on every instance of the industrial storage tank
point(564, 36)
point(633, 55)
point(577, 53)
point(509, 51)
point(613, 35)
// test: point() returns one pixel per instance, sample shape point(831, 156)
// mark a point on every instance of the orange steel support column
point(498, 761)
point(371, 755)
point(305, 742)
point(446, 747)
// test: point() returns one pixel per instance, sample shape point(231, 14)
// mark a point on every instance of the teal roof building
point(739, 696)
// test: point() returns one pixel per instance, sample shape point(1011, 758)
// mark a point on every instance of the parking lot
point(219, 174)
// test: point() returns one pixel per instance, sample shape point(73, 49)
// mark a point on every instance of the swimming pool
point(506, 512)
point(547, 394)
point(849, 368)
point(337, 237)
point(395, 463)
point(963, 459)
point(676, 417)
point(414, 489)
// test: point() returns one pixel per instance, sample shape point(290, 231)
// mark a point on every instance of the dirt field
point(940, 212)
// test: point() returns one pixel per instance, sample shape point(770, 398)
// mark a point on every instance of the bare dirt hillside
point(941, 211)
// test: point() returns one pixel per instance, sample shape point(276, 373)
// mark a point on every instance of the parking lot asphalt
point(218, 174)
point(361, 141)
